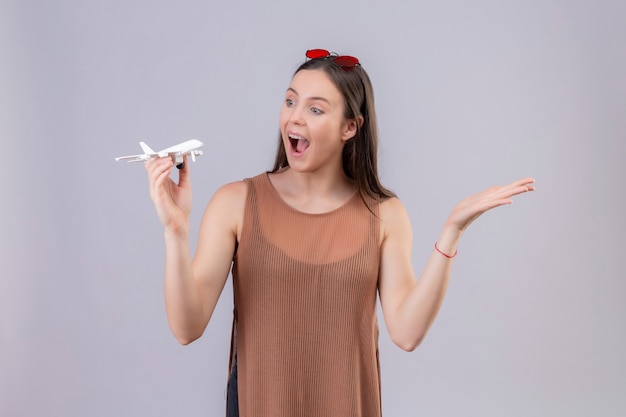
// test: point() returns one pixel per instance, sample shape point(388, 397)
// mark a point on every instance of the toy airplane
point(176, 152)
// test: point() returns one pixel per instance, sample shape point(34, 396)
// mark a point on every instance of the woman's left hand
point(473, 206)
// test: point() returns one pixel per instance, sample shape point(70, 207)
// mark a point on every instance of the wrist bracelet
point(445, 254)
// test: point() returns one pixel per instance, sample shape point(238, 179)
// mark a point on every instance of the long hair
point(359, 156)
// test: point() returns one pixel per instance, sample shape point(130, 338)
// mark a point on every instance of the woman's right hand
point(172, 201)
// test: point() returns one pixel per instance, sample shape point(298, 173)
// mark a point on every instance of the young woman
point(311, 245)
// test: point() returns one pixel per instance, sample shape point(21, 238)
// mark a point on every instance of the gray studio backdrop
point(469, 94)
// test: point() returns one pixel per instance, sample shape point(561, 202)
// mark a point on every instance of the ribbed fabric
point(305, 328)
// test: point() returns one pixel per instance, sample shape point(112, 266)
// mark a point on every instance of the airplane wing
point(132, 158)
point(149, 153)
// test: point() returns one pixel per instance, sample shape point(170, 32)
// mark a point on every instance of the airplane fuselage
point(176, 152)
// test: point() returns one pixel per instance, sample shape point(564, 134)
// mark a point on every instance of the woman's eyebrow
point(309, 98)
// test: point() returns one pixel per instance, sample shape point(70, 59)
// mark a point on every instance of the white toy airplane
point(176, 152)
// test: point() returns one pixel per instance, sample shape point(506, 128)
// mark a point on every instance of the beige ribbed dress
point(305, 328)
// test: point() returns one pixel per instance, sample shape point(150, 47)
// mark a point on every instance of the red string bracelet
point(445, 254)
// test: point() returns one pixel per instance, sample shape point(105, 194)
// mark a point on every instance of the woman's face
point(312, 122)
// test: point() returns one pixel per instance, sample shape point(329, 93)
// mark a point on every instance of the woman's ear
point(351, 128)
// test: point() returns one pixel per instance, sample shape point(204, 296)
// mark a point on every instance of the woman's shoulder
point(232, 192)
point(227, 207)
point(393, 216)
point(237, 191)
point(391, 207)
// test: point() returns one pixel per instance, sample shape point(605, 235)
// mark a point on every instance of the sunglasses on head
point(344, 61)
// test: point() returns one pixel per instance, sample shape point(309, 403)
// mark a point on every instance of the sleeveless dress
point(305, 331)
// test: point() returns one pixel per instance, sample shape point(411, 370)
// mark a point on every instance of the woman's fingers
point(475, 205)
point(183, 174)
point(159, 170)
point(172, 201)
point(163, 172)
point(156, 166)
point(504, 193)
point(525, 181)
point(519, 187)
point(523, 185)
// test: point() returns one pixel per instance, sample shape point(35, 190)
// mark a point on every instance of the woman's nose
point(296, 116)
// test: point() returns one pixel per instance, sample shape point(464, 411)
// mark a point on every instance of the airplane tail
point(146, 149)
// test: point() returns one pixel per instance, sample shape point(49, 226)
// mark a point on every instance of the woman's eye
point(289, 102)
point(316, 110)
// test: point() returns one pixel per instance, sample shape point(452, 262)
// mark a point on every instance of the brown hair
point(360, 152)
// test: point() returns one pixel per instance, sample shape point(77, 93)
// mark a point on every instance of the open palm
point(475, 205)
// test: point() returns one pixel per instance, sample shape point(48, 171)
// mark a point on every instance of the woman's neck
point(313, 192)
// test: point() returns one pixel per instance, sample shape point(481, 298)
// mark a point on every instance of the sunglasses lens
point(317, 53)
point(347, 61)
point(344, 61)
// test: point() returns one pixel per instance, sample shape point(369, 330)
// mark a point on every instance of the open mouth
point(298, 143)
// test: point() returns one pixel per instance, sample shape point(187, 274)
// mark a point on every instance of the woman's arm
point(192, 288)
point(410, 306)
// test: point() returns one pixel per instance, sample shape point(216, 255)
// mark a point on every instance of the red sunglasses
point(344, 61)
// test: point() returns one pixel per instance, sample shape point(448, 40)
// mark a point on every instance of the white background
point(469, 94)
